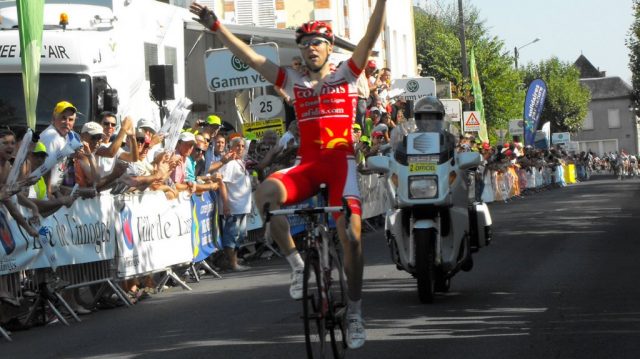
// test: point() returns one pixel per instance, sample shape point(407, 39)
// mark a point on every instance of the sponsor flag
point(477, 95)
point(533, 105)
point(30, 25)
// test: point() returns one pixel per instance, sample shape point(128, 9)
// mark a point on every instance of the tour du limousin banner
point(155, 233)
point(85, 232)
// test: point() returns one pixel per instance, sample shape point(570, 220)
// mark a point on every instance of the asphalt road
point(560, 280)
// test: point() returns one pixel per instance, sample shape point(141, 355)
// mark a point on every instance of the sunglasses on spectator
point(312, 42)
point(140, 139)
point(357, 130)
point(109, 124)
point(96, 137)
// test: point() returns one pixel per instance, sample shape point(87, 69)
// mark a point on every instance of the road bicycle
point(324, 301)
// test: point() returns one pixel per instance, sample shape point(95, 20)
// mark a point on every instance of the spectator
point(86, 173)
point(374, 119)
point(363, 86)
point(7, 148)
point(198, 155)
point(55, 138)
point(400, 110)
point(384, 126)
point(291, 137)
point(211, 129)
point(37, 193)
point(155, 140)
point(184, 175)
point(220, 155)
point(236, 202)
point(109, 151)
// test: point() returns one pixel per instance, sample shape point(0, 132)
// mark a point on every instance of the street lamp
point(517, 49)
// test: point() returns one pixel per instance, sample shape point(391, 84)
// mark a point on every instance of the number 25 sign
point(266, 106)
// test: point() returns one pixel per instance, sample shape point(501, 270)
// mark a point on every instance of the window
point(150, 57)
point(255, 12)
point(171, 58)
point(614, 118)
point(588, 121)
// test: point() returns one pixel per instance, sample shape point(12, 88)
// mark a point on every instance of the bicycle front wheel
point(337, 305)
point(314, 308)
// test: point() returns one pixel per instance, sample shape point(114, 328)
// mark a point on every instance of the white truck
point(107, 44)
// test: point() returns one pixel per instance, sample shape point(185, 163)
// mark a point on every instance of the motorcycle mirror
point(378, 163)
point(467, 160)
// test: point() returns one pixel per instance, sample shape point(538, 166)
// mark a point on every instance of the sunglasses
point(198, 150)
point(140, 139)
point(357, 130)
point(312, 42)
point(109, 124)
point(96, 137)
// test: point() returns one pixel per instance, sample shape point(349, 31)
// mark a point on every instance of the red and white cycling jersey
point(325, 117)
point(325, 113)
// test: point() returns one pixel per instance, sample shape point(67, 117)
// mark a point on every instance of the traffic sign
point(471, 121)
point(266, 106)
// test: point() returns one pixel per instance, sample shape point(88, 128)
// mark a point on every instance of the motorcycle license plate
point(422, 167)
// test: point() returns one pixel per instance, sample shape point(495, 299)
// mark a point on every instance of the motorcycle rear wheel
point(425, 242)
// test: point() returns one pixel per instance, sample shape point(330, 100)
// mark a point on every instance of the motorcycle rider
point(429, 116)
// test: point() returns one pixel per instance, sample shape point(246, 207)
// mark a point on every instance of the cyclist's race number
point(266, 106)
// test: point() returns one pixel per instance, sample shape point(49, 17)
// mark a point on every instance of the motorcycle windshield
point(399, 135)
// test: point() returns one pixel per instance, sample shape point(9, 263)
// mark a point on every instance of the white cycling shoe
point(356, 334)
point(297, 282)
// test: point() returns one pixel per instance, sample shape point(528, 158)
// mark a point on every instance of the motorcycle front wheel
point(425, 243)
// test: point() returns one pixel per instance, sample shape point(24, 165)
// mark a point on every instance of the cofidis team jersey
point(325, 112)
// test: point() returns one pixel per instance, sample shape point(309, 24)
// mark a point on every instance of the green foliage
point(633, 43)
point(567, 99)
point(438, 48)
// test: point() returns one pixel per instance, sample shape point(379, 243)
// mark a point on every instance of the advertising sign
point(560, 137)
point(453, 109)
point(516, 127)
point(415, 88)
point(258, 127)
point(533, 105)
point(224, 71)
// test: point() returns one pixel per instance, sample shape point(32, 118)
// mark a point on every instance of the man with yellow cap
point(56, 136)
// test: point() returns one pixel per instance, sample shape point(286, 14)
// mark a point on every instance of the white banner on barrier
point(83, 233)
point(155, 233)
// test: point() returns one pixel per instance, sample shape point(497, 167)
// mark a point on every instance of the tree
point(438, 48)
point(633, 43)
point(567, 99)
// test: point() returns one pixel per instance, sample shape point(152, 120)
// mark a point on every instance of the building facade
point(610, 124)
point(395, 48)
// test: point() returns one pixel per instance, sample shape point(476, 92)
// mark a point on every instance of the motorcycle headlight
point(421, 187)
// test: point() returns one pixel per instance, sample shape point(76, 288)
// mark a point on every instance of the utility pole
point(463, 51)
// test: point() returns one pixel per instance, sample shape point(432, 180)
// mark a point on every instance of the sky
point(596, 29)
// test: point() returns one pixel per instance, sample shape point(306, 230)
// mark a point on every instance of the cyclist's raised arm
point(208, 19)
point(374, 28)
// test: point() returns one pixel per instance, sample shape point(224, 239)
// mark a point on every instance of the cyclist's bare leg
point(272, 191)
point(353, 260)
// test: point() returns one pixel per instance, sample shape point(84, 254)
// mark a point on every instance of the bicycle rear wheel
point(315, 330)
point(337, 305)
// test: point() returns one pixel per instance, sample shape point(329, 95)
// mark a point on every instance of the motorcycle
point(435, 223)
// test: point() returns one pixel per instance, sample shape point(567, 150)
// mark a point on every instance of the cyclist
point(324, 101)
